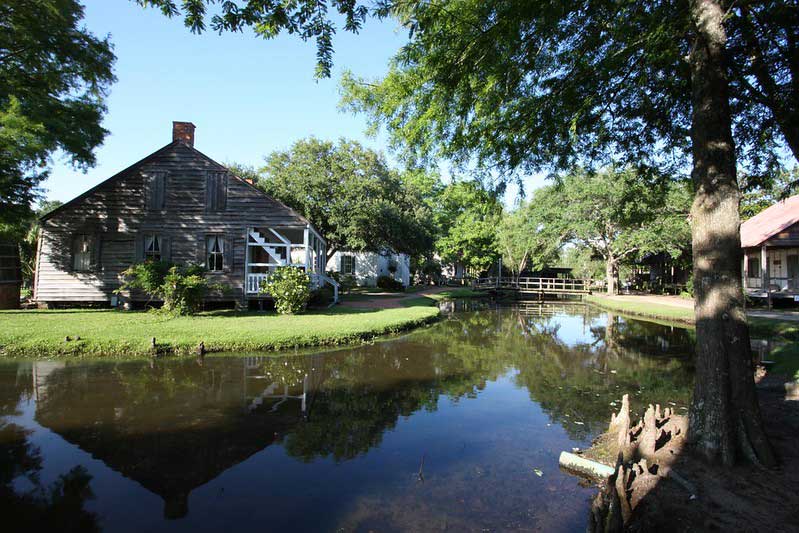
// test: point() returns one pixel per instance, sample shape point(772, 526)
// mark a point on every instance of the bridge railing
point(546, 285)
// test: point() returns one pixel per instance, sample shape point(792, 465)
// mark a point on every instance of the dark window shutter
point(210, 192)
point(202, 250)
point(215, 191)
point(160, 188)
point(96, 251)
point(138, 248)
point(73, 250)
point(228, 253)
point(148, 191)
point(155, 190)
point(221, 194)
point(166, 248)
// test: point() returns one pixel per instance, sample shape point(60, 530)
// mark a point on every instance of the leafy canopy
point(517, 86)
point(617, 213)
point(467, 216)
point(351, 195)
point(54, 78)
point(307, 19)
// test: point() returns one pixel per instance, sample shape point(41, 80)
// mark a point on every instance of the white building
point(366, 267)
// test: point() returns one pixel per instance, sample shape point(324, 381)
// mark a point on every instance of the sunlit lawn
point(40, 333)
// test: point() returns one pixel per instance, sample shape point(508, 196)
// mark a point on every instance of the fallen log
point(586, 467)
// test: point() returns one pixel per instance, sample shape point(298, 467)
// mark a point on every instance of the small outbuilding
point(366, 267)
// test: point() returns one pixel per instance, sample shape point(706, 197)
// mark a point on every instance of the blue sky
point(247, 96)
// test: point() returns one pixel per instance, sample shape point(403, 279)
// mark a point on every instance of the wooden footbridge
point(538, 286)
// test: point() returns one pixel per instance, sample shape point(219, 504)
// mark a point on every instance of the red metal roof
point(768, 223)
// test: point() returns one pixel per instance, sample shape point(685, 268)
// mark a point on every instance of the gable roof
point(155, 154)
point(768, 223)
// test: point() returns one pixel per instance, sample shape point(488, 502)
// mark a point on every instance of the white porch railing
point(254, 282)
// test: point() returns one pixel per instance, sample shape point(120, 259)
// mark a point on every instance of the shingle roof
point(768, 223)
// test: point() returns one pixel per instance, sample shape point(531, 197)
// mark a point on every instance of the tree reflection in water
point(175, 425)
point(58, 506)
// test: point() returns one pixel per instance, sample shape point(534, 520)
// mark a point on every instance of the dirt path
point(381, 301)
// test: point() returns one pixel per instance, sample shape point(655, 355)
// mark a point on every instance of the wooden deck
point(541, 286)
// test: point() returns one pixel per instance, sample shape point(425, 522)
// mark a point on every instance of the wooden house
point(177, 205)
point(770, 241)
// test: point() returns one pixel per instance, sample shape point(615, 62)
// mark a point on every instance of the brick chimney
point(183, 132)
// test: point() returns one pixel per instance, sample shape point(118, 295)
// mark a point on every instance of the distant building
point(770, 241)
point(366, 267)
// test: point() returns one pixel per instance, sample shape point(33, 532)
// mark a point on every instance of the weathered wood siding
point(120, 211)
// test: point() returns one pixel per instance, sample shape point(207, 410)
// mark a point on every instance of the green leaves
point(351, 195)
point(180, 287)
point(54, 78)
point(619, 214)
point(290, 288)
point(467, 216)
point(308, 19)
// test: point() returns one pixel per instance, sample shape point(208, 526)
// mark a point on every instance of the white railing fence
point(535, 284)
point(254, 282)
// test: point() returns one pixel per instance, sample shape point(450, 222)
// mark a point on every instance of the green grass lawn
point(664, 312)
point(39, 333)
point(459, 292)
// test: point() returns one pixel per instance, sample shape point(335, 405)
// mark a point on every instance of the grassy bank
point(458, 292)
point(103, 333)
point(648, 310)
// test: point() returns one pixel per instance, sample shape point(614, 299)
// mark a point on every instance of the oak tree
point(54, 75)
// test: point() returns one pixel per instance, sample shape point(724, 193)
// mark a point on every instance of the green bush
point(321, 297)
point(290, 288)
point(346, 281)
point(390, 284)
point(181, 288)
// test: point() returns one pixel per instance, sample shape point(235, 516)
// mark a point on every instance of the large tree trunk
point(611, 270)
point(725, 422)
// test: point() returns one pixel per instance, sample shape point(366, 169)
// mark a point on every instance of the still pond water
point(456, 427)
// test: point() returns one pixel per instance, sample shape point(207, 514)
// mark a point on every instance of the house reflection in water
point(174, 426)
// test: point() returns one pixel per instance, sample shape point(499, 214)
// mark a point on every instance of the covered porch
point(771, 272)
point(297, 246)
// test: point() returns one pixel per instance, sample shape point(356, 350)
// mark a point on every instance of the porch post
point(306, 241)
point(764, 274)
point(246, 268)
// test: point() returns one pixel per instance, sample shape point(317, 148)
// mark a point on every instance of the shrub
point(290, 288)
point(181, 288)
point(321, 297)
point(390, 284)
point(345, 281)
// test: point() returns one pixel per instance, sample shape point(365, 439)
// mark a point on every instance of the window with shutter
point(216, 253)
point(82, 253)
point(348, 264)
point(152, 247)
point(216, 191)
